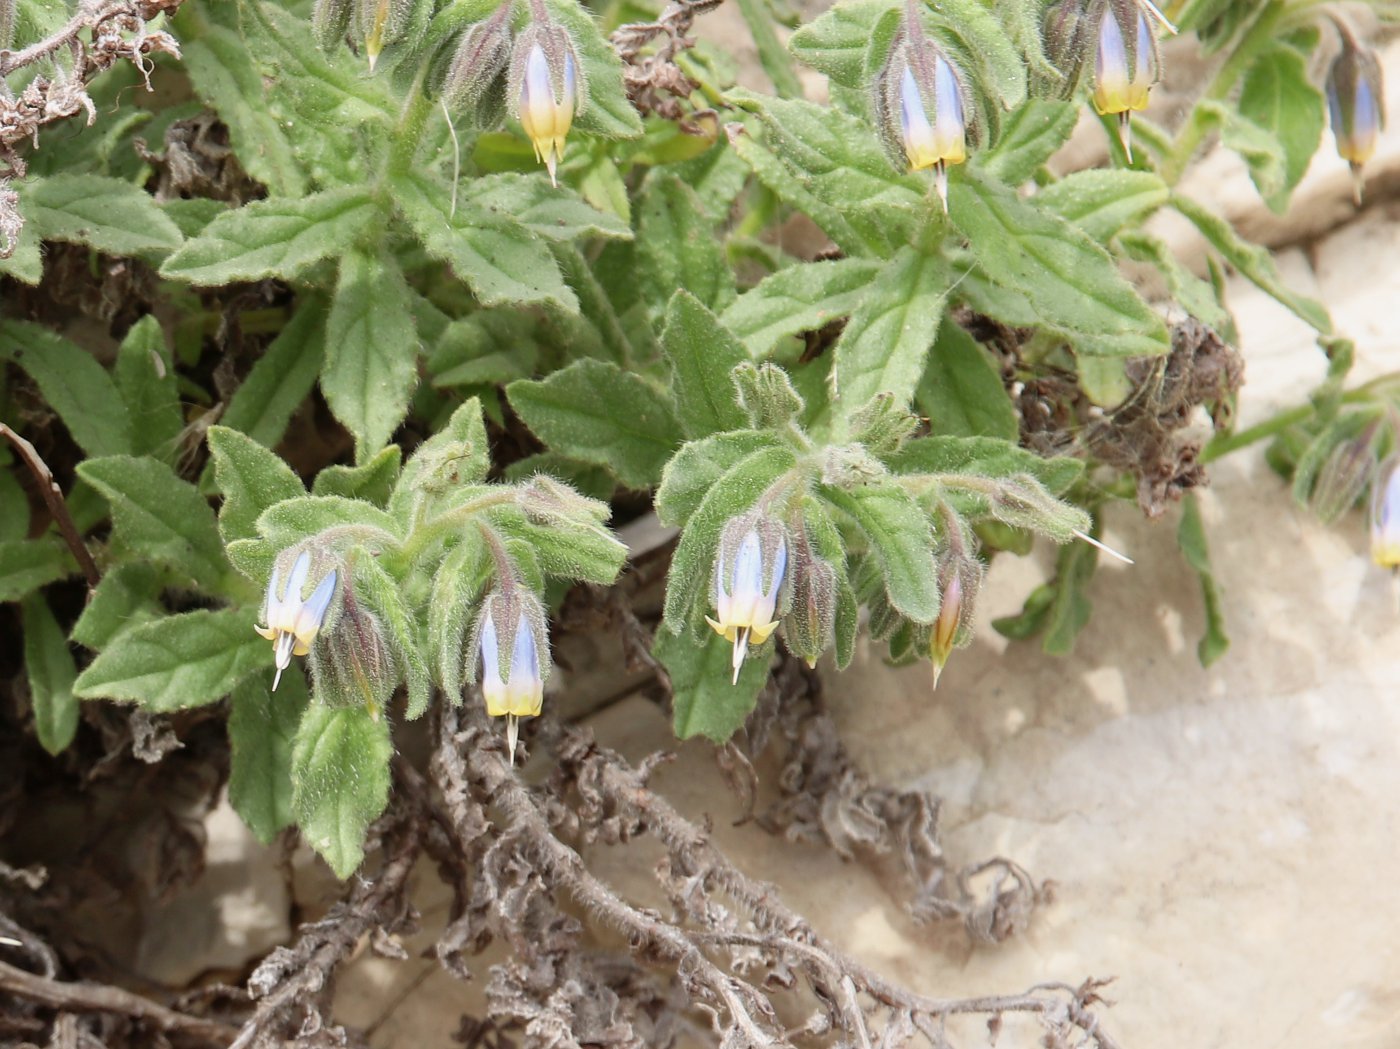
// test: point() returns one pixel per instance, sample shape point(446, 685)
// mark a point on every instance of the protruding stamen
point(1104, 547)
point(1162, 19)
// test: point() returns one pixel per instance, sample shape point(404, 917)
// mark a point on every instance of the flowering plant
point(395, 310)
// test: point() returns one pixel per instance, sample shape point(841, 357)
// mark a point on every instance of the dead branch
point(98, 998)
point(295, 978)
point(58, 506)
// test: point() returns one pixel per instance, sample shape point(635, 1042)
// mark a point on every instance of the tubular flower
point(512, 670)
point(1356, 102)
point(1385, 515)
point(749, 573)
point(545, 88)
point(292, 619)
point(919, 106)
point(1126, 66)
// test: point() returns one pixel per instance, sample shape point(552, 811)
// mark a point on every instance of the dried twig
point(53, 498)
point(97, 998)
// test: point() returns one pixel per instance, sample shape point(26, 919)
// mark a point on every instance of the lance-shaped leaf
point(49, 664)
point(107, 214)
point(277, 237)
point(500, 259)
point(282, 377)
point(961, 392)
point(340, 781)
point(706, 701)
point(1279, 97)
point(371, 363)
point(596, 412)
point(901, 538)
point(1071, 282)
point(805, 297)
point(888, 337)
point(179, 661)
point(145, 375)
point(261, 730)
point(678, 248)
point(161, 516)
point(251, 478)
point(702, 353)
point(73, 384)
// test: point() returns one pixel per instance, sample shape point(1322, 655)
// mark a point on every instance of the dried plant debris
point(654, 82)
point(1154, 434)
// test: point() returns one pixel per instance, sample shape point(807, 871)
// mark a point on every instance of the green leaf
point(104, 213)
point(145, 375)
point(901, 539)
point(262, 726)
point(14, 508)
point(373, 480)
point(277, 237)
point(179, 661)
point(1278, 96)
point(371, 350)
point(702, 353)
point(161, 516)
point(962, 392)
point(706, 702)
point(340, 781)
point(568, 549)
point(836, 158)
point(698, 465)
point(1256, 263)
point(295, 115)
point(596, 412)
point(73, 384)
point(805, 297)
point(1191, 537)
point(281, 379)
point(456, 455)
point(1102, 203)
point(985, 457)
point(125, 597)
point(791, 189)
point(1071, 281)
point(1194, 295)
point(1260, 148)
point(688, 586)
point(1030, 136)
point(251, 479)
point(552, 212)
point(501, 260)
point(293, 520)
point(887, 339)
point(677, 246)
point(26, 264)
point(51, 672)
point(27, 564)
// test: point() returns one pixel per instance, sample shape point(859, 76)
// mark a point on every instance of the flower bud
point(961, 579)
point(1343, 477)
point(918, 101)
point(330, 20)
point(509, 632)
point(293, 618)
point(811, 621)
point(354, 665)
point(750, 568)
point(546, 89)
point(380, 23)
point(1356, 102)
point(1385, 514)
point(477, 64)
point(1126, 65)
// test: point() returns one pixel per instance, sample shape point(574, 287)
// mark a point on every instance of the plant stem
point(1258, 36)
point(408, 133)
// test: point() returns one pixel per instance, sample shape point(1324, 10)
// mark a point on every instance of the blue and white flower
point(750, 569)
point(292, 616)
